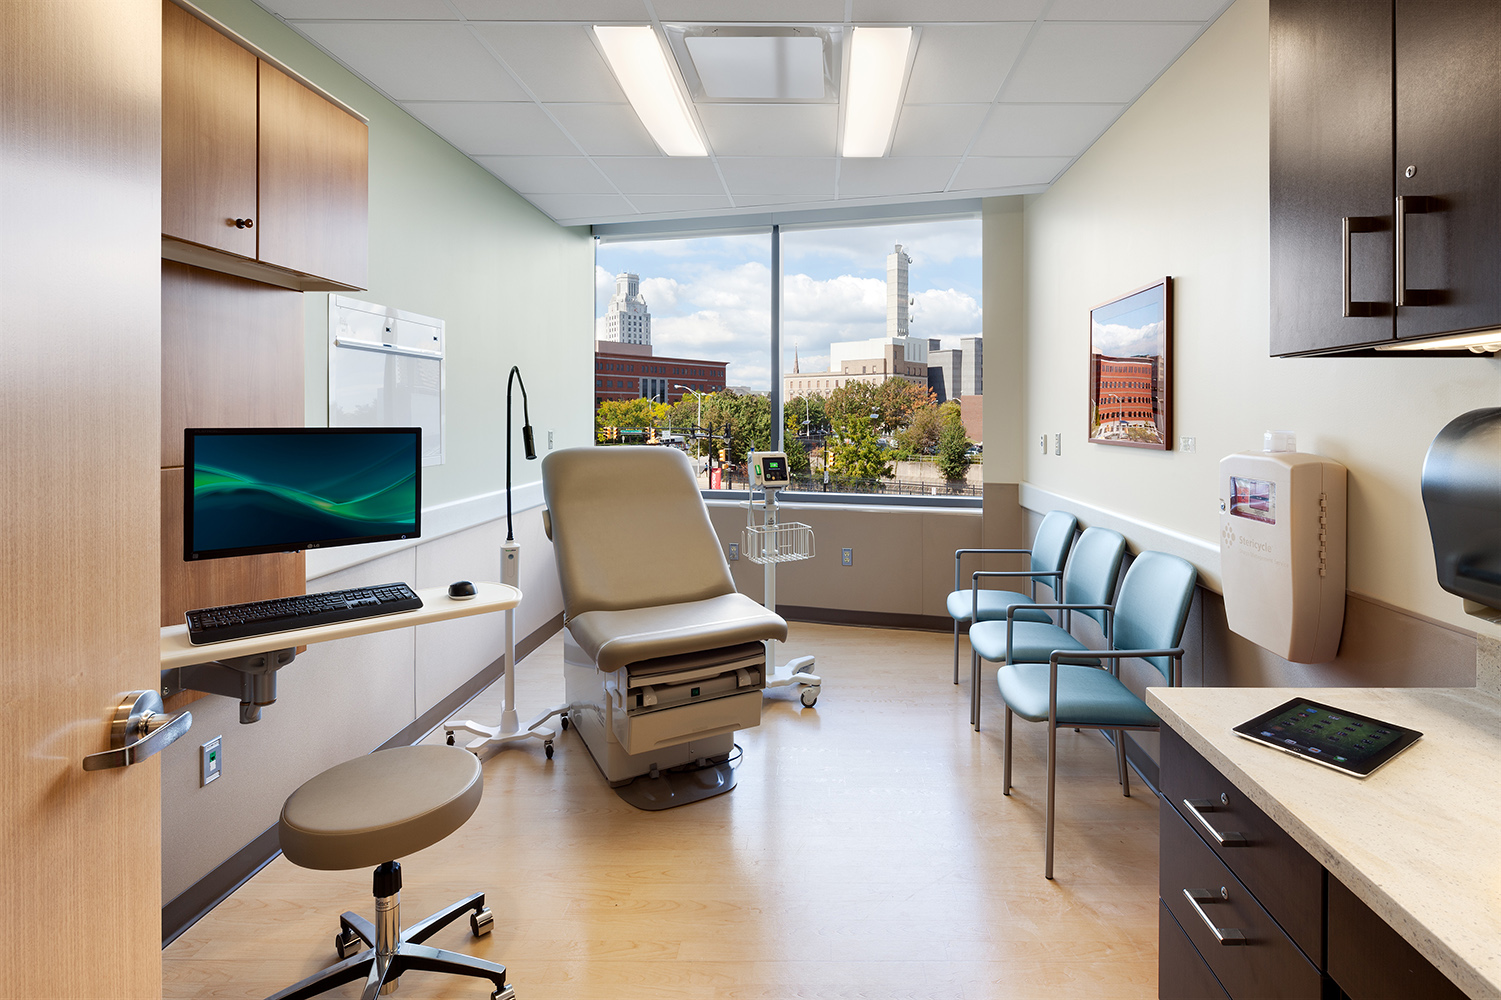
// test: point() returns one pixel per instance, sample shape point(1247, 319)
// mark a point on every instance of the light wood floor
point(866, 852)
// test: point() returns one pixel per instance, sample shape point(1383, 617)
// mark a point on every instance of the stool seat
point(379, 807)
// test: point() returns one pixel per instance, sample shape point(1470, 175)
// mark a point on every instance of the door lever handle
point(140, 728)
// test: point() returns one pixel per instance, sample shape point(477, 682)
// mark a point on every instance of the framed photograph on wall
point(1131, 369)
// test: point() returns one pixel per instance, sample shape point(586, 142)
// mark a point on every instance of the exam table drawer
point(1264, 964)
point(646, 731)
point(1283, 877)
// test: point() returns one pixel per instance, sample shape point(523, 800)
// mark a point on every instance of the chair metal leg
point(426, 928)
point(1006, 757)
point(1120, 762)
point(956, 651)
point(422, 958)
point(1047, 870)
point(353, 923)
point(974, 690)
point(318, 983)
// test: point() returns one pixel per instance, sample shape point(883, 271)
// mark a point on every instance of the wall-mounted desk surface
point(1419, 841)
point(436, 606)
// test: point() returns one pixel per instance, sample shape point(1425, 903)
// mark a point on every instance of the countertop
point(1419, 841)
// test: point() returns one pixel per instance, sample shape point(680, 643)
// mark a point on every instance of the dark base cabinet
point(1248, 913)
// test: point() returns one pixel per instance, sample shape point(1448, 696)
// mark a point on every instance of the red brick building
point(1127, 391)
point(631, 371)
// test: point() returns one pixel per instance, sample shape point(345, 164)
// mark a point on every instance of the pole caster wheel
point(565, 723)
point(347, 943)
point(509, 993)
point(809, 697)
point(481, 922)
point(449, 735)
point(547, 749)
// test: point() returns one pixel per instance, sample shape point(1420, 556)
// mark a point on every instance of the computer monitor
point(248, 490)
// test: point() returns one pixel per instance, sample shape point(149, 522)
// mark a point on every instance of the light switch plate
point(1057, 444)
point(1042, 443)
point(1186, 444)
point(210, 761)
point(549, 440)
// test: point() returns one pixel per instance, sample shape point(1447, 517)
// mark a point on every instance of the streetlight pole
point(698, 421)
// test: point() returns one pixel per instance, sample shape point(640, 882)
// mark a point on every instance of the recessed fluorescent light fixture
point(640, 65)
point(878, 62)
point(1488, 342)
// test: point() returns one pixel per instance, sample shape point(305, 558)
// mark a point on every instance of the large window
point(880, 381)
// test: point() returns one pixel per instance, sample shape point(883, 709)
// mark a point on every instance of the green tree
point(855, 450)
point(797, 454)
point(953, 443)
point(920, 436)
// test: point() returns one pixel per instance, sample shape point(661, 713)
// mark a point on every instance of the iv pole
point(509, 731)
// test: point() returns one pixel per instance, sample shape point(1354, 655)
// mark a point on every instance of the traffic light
point(721, 455)
point(612, 433)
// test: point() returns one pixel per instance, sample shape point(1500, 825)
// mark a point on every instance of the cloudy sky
point(1131, 326)
point(711, 297)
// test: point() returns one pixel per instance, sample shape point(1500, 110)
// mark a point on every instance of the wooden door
point(80, 168)
point(313, 182)
point(208, 135)
point(1331, 163)
point(1448, 61)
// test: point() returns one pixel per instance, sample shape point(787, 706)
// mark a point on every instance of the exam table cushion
point(1031, 642)
point(1086, 696)
point(379, 807)
point(630, 530)
point(614, 639)
point(993, 605)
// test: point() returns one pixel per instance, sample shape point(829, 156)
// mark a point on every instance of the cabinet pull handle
point(1401, 250)
point(1349, 225)
point(1226, 936)
point(1344, 267)
point(1197, 808)
point(243, 223)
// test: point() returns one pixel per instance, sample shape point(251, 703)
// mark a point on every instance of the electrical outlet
point(549, 440)
point(1186, 444)
point(210, 761)
point(847, 557)
point(1057, 444)
point(734, 552)
point(1042, 443)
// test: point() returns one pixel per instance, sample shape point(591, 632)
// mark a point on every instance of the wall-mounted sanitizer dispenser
point(1462, 493)
point(1282, 551)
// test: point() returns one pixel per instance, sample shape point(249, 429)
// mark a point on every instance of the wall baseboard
point(197, 900)
point(865, 619)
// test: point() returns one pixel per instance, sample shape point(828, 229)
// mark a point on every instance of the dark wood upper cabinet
point(263, 177)
point(1381, 108)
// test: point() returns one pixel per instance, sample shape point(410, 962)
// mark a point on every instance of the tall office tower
point(627, 321)
point(896, 292)
point(971, 380)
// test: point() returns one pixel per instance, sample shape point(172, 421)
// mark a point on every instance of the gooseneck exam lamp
point(509, 731)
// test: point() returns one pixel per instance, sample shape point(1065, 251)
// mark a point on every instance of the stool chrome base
point(381, 964)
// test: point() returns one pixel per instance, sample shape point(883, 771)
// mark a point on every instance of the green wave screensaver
point(253, 490)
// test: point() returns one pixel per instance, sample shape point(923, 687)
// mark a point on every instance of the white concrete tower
point(627, 321)
point(896, 292)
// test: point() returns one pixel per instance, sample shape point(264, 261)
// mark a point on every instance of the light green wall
point(449, 240)
point(1179, 186)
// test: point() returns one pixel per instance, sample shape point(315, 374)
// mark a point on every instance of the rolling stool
point(367, 812)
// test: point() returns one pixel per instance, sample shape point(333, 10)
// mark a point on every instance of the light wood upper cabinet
point(262, 176)
point(208, 135)
point(313, 181)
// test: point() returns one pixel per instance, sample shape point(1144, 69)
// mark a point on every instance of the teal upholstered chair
point(1147, 623)
point(1048, 553)
point(1088, 587)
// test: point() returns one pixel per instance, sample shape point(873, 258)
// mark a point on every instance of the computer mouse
point(462, 590)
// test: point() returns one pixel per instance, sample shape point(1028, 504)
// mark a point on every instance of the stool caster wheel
point(809, 697)
point(565, 723)
point(449, 734)
point(509, 993)
point(347, 943)
point(547, 749)
point(481, 922)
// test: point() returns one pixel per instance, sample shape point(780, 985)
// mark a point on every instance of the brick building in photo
point(631, 371)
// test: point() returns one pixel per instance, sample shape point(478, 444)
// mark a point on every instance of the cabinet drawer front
point(1282, 876)
point(1370, 961)
point(1259, 960)
point(1182, 973)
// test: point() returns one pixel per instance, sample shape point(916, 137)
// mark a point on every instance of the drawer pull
point(1197, 808)
point(1226, 936)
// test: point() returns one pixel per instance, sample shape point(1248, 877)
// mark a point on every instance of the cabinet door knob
point(244, 223)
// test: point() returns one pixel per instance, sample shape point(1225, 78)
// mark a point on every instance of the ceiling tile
point(778, 175)
point(531, 175)
point(1043, 129)
point(362, 10)
point(753, 200)
point(1093, 62)
point(983, 172)
point(937, 129)
point(558, 62)
point(579, 208)
point(635, 175)
point(605, 129)
point(583, 11)
point(862, 178)
point(1135, 10)
point(417, 61)
point(770, 129)
point(494, 129)
point(957, 65)
point(932, 11)
point(658, 203)
point(781, 11)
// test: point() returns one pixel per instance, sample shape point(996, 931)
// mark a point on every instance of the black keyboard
point(238, 621)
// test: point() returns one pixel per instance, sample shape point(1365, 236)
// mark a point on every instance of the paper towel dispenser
point(1282, 552)
point(1462, 494)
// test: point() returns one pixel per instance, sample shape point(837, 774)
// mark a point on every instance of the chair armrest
point(1059, 607)
point(1099, 654)
point(996, 552)
point(974, 586)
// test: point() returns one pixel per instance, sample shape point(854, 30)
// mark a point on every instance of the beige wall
point(1179, 187)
